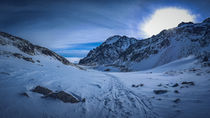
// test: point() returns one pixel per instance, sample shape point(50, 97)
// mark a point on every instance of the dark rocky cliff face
point(28, 48)
point(109, 51)
point(169, 45)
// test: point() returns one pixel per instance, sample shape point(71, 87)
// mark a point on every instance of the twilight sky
point(73, 27)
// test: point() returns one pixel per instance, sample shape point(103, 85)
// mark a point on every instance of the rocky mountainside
point(130, 54)
point(23, 49)
point(108, 51)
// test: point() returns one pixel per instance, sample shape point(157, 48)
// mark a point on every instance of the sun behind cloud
point(165, 18)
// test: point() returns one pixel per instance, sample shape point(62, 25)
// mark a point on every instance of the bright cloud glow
point(165, 18)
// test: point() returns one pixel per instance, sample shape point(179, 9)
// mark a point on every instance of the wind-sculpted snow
point(167, 46)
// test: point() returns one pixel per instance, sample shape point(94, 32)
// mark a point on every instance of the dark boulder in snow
point(24, 94)
point(175, 85)
point(63, 96)
point(138, 85)
point(160, 91)
point(177, 100)
point(42, 90)
point(176, 91)
point(107, 69)
point(188, 83)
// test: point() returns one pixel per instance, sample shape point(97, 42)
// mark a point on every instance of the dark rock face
point(185, 23)
point(20, 56)
point(206, 20)
point(20, 43)
point(28, 48)
point(109, 51)
point(48, 52)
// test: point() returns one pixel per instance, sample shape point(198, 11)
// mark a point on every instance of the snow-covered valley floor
point(107, 94)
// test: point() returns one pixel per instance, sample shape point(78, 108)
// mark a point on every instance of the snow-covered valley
point(36, 82)
point(107, 94)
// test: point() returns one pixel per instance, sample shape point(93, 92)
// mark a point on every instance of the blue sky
point(73, 27)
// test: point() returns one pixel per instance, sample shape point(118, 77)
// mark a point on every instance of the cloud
point(166, 18)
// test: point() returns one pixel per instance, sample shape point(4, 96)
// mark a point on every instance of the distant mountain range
point(122, 53)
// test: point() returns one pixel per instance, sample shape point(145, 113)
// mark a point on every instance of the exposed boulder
point(24, 94)
point(160, 91)
point(138, 85)
point(42, 90)
point(176, 91)
point(177, 100)
point(175, 85)
point(188, 83)
point(63, 96)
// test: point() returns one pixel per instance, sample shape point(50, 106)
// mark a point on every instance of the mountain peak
point(112, 39)
point(184, 23)
point(118, 38)
point(207, 20)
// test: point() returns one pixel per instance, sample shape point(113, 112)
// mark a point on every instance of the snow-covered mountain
point(129, 54)
point(108, 51)
point(17, 47)
point(38, 83)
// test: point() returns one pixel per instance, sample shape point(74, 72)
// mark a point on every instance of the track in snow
point(119, 102)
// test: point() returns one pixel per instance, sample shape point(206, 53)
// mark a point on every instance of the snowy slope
point(24, 66)
point(107, 95)
point(167, 46)
point(20, 48)
point(194, 100)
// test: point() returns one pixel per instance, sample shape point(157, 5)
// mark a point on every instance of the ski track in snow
point(119, 102)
